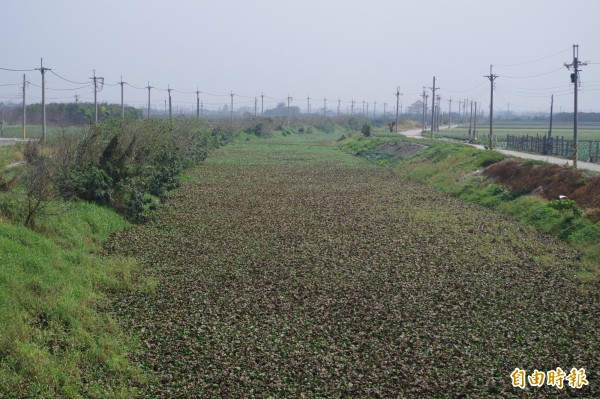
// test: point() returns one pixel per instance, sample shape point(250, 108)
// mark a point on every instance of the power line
point(531, 76)
point(532, 61)
point(68, 80)
point(17, 70)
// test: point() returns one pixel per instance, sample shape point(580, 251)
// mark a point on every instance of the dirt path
point(289, 269)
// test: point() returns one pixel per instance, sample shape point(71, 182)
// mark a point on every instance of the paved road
point(416, 133)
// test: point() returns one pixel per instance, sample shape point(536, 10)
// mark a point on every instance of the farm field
point(33, 131)
point(585, 133)
point(287, 268)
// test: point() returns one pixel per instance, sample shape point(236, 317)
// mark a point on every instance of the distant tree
point(282, 110)
point(366, 130)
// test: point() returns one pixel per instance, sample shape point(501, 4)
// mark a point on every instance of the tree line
point(68, 114)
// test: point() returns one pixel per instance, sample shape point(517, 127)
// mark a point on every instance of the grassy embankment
point(56, 340)
point(456, 169)
point(56, 337)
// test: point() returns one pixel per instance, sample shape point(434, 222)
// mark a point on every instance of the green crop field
point(288, 268)
point(585, 133)
point(34, 131)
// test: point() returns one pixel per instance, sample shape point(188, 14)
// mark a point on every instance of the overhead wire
point(68, 80)
point(16, 70)
point(535, 60)
point(530, 76)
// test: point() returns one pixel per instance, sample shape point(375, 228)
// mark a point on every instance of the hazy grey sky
point(334, 49)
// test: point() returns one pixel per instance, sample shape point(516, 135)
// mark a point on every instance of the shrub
point(118, 165)
point(38, 182)
point(566, 206)
point(366, 130)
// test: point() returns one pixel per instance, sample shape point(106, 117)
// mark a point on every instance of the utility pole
point(43, 71)
point(262, 104)
point(325, 107)
point(433, 89)
point(397, 105)
point(96, 79)
point(148, 87)
point(471, 124)
point(352, 109)
point(449, 113)
point(24, 134)
point(575, 80)
point(197, 103)
point(231, 113)
point(491, 77)
point(424, 104)
point(475, 122)
point(288, 103)
point(551, 112)
point(437, 114)
point(122, 102)
point(170, 109)
point(307, 105)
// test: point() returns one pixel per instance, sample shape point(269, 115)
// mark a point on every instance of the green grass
point(10, 154)
point(57, 340)
point(35, 131)
point(501, 131)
